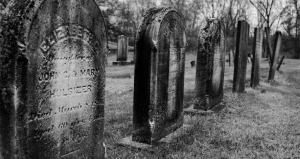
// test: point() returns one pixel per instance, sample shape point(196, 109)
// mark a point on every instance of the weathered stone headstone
point(231, 58)
point(210, 66)
point(159, 75)
point(122, 51)
point(122, 48)
point(240, 59)
point(257, 51)
point(275, 56)
point(52, 80)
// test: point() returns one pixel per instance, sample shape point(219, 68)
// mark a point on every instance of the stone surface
point(191, 111)
point(122, 63)
point(280, 63)
point(166, 140)
point(193, 63)
point(257, 51)
point(122, 48)
point(52, 80)
point(231, 58)
point(275, 56)
point(241, 55)
point(159, 75)
point(210, 66)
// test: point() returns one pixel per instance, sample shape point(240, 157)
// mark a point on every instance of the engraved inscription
point(65, 32)
point(67, 81)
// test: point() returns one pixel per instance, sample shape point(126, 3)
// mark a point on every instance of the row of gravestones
point(52, 77)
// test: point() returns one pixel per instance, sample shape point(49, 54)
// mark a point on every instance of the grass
point(261, 123)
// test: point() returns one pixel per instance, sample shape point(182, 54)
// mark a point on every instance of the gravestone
point(122, 51)
point(122, 48)
point(231, 58)
point(275, 55)
point(52, 80)
point(210, 66)
point(159, 75)
point(280, 63)
point(241, 55)
point(257, 51)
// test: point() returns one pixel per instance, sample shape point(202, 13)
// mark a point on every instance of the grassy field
point(261, 123)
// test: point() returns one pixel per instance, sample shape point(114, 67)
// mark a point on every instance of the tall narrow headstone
point(241, 55)
point(257, 51)
point(210, 66)
point(122, 48)
point(52, 69)
point(231, 58)
point(159, 75)
point(275, 56)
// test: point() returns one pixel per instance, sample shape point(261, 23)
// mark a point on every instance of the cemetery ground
point(260, 123)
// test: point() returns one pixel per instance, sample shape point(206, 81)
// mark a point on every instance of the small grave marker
point(122, 51)
point(231, 58)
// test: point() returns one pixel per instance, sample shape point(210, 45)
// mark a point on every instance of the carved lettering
point(38, 133)
point(66, 92)
point(65, 32)
point(40, 115)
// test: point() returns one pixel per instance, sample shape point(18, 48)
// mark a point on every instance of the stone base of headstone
point(127, 142)
point(191, 111)
point(122, 63)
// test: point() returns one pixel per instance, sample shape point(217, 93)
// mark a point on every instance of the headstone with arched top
point(52, 81)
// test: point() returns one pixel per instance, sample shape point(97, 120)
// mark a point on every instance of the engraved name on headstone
point(241, 55)
point(159, 75)
point(210, 66)
point(257, 51)
point(52, 100)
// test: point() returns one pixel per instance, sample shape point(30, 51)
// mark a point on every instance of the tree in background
point(197, 11)
point(291, 24)
point(123, 17)
point(271, 11)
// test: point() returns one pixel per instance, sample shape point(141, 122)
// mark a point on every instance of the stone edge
point(191, 111)
point(127, 141)
point(122, 63)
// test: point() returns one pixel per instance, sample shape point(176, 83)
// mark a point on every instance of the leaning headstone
point(122, 51)
point(210, 66)
point(275, 56)
point(159, 75)
point(257, 51)
point(241, 56)
point(280, 63)
point(52, 80)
